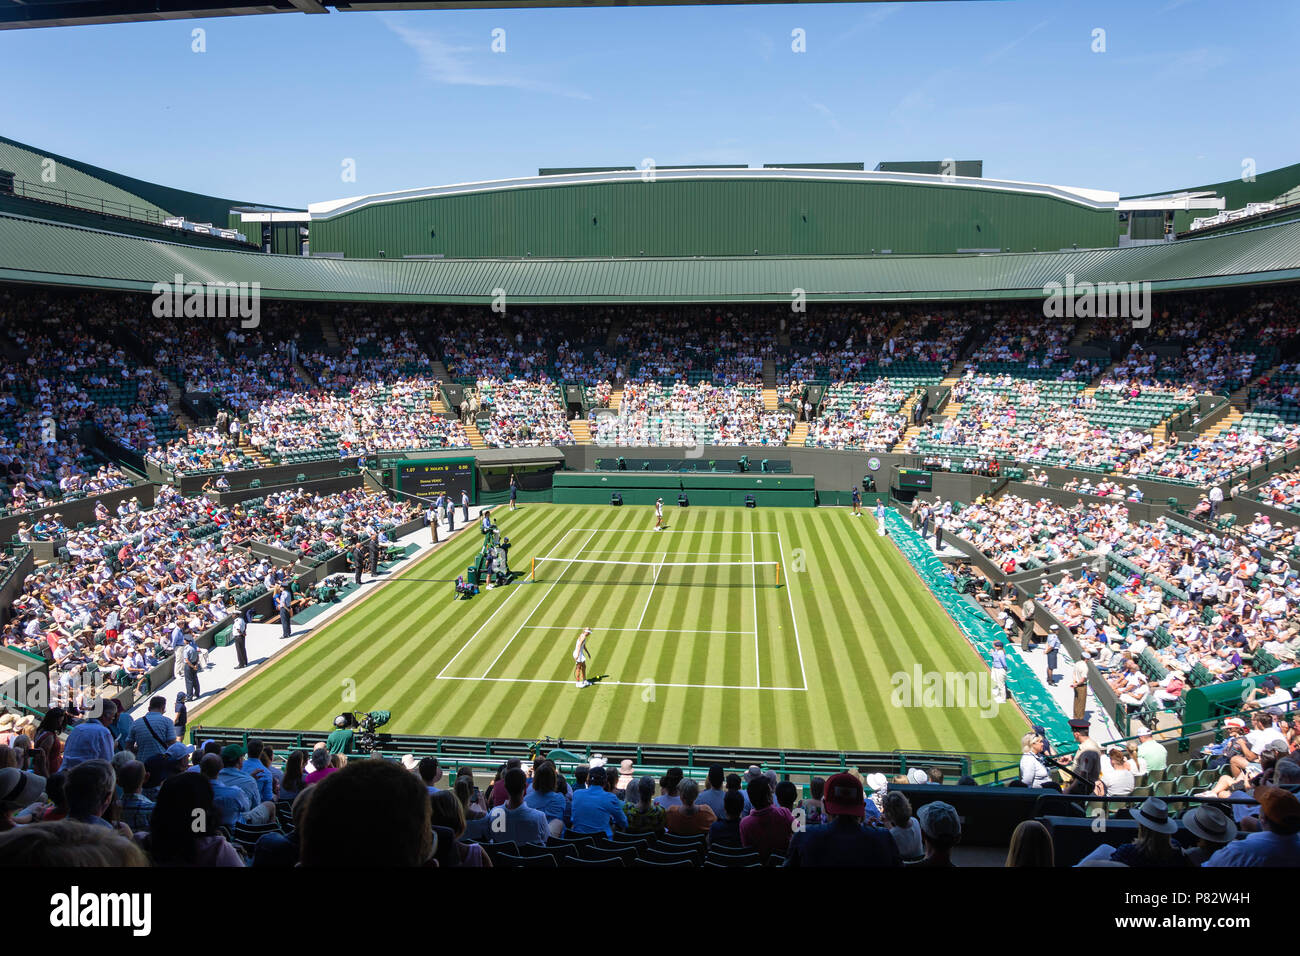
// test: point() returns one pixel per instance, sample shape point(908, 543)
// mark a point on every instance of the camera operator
point(342, 740)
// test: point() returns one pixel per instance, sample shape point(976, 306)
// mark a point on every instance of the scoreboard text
point(428, 479)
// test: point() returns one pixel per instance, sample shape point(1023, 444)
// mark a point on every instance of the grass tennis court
point(737, 627)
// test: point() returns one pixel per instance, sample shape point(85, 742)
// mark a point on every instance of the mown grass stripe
point(862, 614)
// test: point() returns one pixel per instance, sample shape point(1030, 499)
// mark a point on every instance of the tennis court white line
point(711, 534)
point(537, 607)
point(675, 554)
point(793, 618)
point(753, 570)
point(650, 596)
point(499, 609)
point(623, 630)
point(627, 683)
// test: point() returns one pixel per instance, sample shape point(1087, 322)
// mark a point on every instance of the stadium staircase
point(439, 406)
point(247, 448)
point(183, 421)
point(581, 429)
point(1223, 424)
point(475, 436)
point(615, 329)
point(770, 401)
point(616, 398)
point(798, 435)
point(1241, 397)
point(329, 332)
point(1082, 332)
point(304, 375)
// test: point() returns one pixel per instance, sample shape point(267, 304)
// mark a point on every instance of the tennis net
point(709, 574)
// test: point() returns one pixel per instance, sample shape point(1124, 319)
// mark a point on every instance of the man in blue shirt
point(284, 604)
point(260, 811)
point(514, 821)
point(190, 667)
point(999, 669)
point(230, 802)
point(153, 733)
point(595, 809)
point(91, 739)
point(1277, 844)
point(254, 767)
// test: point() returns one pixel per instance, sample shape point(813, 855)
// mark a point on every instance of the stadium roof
point(39, 251)
point(1093, 198)
point(18, 14)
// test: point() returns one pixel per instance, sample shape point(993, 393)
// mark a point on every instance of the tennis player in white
point(659, 514)
point(580, 659)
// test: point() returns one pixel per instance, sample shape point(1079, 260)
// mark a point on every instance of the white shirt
point(580, 651)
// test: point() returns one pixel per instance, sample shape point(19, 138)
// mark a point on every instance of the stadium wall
point(714, 218)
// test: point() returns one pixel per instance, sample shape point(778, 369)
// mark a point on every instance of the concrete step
point(616, 399)
point(581, 429)
point(797, 435)
point(769, 376)
point(1223, 424)
point(912, 432)
point(329, 332)
point(770, 400)
point(475, 436)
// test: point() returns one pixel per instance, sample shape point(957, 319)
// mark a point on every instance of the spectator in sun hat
point(878, 784)
point(1213, 828)
point(18, 789)
point(1153, 845)
point(940, 832)
point(1278, 841)
point(843, 841)
point(626, 775)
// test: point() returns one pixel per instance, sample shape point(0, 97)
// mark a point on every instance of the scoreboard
point(428, 479)
point(913, 479)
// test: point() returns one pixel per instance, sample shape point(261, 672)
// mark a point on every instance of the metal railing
point(108, 207)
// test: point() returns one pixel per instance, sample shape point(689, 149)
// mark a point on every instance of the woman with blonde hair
point(1033, 770)
point(1031, 845)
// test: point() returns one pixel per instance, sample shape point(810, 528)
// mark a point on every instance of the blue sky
point(1185, 90)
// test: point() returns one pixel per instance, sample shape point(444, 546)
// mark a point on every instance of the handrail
point(1203, 726)
point(64, 197)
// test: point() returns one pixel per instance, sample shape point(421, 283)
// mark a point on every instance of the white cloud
point(830, 116)
point(445, 63)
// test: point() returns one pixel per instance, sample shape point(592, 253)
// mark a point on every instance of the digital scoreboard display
point(914, 480)
point(428, 479)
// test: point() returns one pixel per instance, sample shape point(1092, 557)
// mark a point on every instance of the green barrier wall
point(642, 488)
point(980, 629)
point(1213, 700)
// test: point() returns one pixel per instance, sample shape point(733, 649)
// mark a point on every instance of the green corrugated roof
point(32, 250)
point(29, 165)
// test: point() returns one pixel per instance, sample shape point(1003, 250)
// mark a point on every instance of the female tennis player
point(580, 659)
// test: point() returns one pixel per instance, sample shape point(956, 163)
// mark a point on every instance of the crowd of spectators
point(134, 586)
point(654, 414)
point(523, 413)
